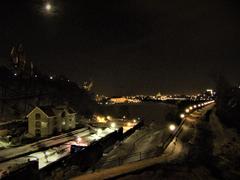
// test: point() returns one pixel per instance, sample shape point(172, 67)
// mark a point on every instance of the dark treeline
point(20, 93)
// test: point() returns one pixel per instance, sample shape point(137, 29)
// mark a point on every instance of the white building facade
point(45, 121)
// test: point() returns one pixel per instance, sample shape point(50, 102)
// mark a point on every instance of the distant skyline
point(128, 47)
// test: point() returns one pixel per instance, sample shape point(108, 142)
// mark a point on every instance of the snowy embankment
point(144, 142)
point(42, 144)
point(226, 147)
point(177, 169)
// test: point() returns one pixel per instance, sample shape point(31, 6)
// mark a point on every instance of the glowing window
point(44, 124)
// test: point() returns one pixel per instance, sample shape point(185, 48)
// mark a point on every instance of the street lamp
point(113, 125)
point(172, 127)
point(187, 110)
point(182, 116)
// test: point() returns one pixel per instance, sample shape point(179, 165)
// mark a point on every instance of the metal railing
point(134, 157)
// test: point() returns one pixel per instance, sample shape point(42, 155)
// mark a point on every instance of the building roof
point(65, 108)
point(48, 110)
point(71, 110)
point(52, 111)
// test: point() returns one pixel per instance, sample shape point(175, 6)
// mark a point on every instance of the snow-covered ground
point(17, 151)
point(226, 147)
point(173, 150)
point(53, 154)
point(223, 135)
point(4, 144)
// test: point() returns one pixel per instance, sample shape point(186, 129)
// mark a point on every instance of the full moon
point(48, 7)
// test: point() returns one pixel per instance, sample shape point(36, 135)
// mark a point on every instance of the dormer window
point(37, 116)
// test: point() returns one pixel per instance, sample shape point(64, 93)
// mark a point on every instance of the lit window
point(44, 124)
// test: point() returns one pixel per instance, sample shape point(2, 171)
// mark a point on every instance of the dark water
point(146, 111)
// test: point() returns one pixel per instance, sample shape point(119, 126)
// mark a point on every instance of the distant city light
point(51, 77)
point(15, 74)
point(134, 121)
point(190, 107)
point(109, 117)
point(187, 110)
point(195, 106)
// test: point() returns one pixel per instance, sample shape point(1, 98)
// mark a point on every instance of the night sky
point(128, 47)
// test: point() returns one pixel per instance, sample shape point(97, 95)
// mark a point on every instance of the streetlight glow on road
point(99, 131)
point(129, 124)
point(78, 139)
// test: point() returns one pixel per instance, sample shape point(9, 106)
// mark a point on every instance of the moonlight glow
point(48, 7)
